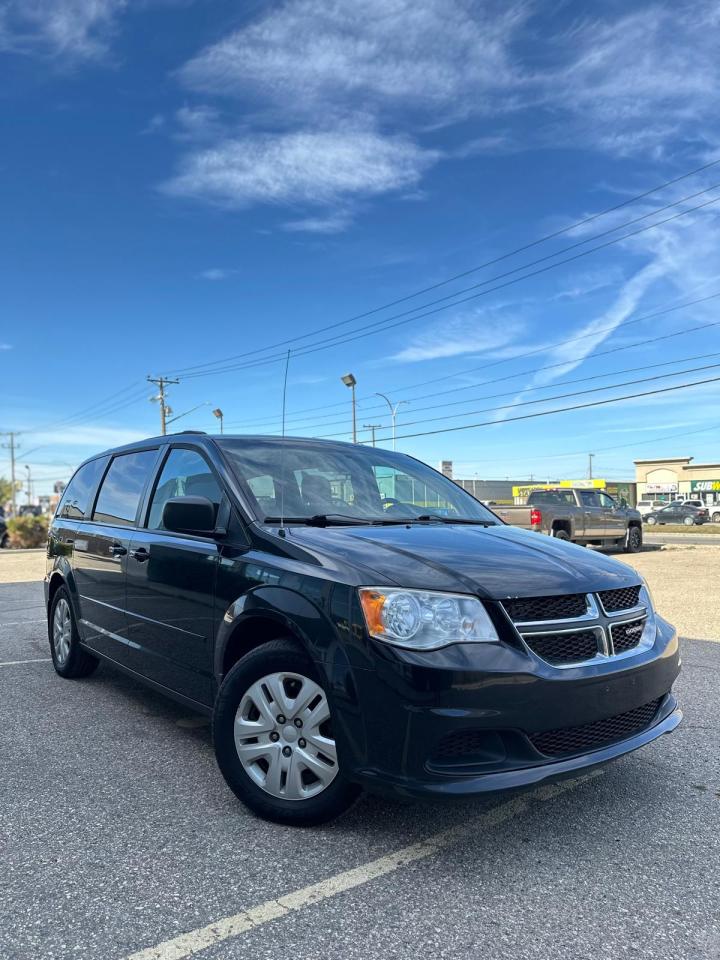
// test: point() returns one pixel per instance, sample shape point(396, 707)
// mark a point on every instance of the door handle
point(118, 550)
point(141, 554)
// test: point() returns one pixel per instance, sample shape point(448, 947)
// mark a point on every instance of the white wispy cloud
point(217, 273)
point(5, 346)
point(78, 29)
point(316, 168)
point(380, 55)
point(472, 332)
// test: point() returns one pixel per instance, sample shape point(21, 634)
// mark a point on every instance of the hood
point(494, 562)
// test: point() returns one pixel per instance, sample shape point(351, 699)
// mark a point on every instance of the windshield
point(345, 482)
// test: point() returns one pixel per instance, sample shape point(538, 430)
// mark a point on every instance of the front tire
point(651, 521)
point(68, 657)
point(273, 737)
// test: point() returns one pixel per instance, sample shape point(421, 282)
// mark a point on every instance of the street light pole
point(219, 414)
point(349, 380)
point(393, 411)
point(29, 484)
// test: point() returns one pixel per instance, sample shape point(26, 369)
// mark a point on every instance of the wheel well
point(249, 634)
point(635, 523)
point(563, 525)
point(56, 581)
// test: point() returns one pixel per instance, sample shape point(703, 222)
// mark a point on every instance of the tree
point(5, 491)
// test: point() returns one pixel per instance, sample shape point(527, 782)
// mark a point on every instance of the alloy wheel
point(62, 630)
point(283, 737)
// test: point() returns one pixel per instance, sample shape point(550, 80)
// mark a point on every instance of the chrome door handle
point(118, 550)
point(141, 554)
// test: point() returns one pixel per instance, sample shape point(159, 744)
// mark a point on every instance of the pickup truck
point(583, 516)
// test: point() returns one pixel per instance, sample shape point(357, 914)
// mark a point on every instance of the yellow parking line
point(202, 938)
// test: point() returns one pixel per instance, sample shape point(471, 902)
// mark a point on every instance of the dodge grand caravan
point(350, 618)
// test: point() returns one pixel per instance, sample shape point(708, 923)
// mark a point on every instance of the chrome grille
point(626, 635)
point(623, 599)
point(568, 646)
point(532, 609)
point(575, 628)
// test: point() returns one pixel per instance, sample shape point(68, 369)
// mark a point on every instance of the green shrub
point(28, 531)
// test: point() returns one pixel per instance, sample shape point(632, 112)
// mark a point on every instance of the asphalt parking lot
point(120, 839)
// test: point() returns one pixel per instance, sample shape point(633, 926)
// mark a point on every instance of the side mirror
point(189, 515)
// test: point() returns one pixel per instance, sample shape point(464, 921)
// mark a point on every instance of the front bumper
point(500, 697)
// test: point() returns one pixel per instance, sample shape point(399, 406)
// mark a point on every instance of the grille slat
point(623, 599)
point(529, 609)
point(564, 647)
point(627, 635)
point(591, 736)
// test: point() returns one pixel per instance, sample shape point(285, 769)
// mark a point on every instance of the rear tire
point(689, 522)
point(70, 660)
point(633, 540)
point(715, 518)
point(561, 535)
point(269, 764)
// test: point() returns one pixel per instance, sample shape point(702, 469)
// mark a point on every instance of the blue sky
point(184, 182)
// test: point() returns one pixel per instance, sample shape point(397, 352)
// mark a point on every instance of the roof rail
point(179, 433)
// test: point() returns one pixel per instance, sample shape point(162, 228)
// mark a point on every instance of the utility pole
point(161, 383)
point(11, 446)
point(373, 427)
point(590, 460)
point(393, 411)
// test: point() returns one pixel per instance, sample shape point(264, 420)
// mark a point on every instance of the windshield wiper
point(323, 520)
point(439, 519)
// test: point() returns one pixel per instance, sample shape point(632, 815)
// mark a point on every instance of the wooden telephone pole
point(161, 383)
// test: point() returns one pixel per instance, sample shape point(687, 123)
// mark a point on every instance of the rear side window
point(185, 474)
point(123, 487)
point(76, 498)
point(590, 498)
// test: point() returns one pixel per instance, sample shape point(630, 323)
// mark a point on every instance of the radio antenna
point(282, 451)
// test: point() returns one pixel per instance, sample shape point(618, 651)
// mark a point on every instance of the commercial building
point(678, 478)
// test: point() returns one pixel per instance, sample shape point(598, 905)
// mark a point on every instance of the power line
point(557, 396)
point(545, 386)
point(529, 372)
point(334, 342)
point(465, 273)
point(581, 453)
point(548, 413)
point(520, 356)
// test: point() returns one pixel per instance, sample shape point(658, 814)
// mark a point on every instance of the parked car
point(679, 513)
point(350, 618)
point(648, 506)
point(29, 510)
point(713, 509)
point(583, 516)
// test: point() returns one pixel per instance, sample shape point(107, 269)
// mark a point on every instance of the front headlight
point(650, 630)
point(421, 620)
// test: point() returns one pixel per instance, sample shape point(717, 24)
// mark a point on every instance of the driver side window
point(184, 474)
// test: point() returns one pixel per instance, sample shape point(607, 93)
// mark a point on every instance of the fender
point(294, 611)
point(63, 570)
point(313, 628)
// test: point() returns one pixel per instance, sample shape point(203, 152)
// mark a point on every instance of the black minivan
point(351, 619)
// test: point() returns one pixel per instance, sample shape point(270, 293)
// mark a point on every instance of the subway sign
point(705, 486)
